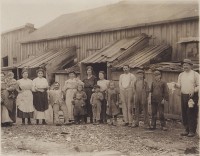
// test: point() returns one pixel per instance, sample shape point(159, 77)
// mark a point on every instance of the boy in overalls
point(141, 103)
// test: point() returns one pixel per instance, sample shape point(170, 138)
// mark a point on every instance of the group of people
point(98, 99)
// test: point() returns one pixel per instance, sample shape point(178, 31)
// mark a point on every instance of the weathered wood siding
point(10, 45)
point(168, 33)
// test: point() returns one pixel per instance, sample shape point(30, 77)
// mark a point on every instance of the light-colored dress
point(70, 88)
point(40, 100)
point(24, 99)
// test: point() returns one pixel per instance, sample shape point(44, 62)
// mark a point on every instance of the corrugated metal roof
point(121, 15)
point(116, 50)
point(188, 39)
point(46, 57)
point(141, 57)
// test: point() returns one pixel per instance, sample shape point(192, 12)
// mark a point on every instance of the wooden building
point(91, 30)
point(10, 45)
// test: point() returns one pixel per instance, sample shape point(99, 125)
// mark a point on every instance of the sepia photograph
point(99, 77)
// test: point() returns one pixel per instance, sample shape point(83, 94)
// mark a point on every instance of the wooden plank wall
point(168, 33)
point(10, 44)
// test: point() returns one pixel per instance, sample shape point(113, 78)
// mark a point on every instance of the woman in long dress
point(70, 88)
point(40, 97)
point(5, 118)
point(89, 83)
point(8, 97)
point(103, 83)
point(24, 100)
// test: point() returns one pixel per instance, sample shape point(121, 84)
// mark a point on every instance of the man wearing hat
point(126, 82)
point(159, 94)
point(141, 103)
point(188, 82)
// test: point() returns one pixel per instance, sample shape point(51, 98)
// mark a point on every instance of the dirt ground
point(96, 140)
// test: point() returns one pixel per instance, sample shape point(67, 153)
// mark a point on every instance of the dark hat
point(40, 69)
point(140, 71)
point(24, 70)
point(157, 72)
point(188, 61)
point(72, 71)
point(96, 86)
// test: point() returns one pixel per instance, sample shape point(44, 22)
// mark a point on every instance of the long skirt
point(68, 101)
point(10, 105)
point(40, 102)
point(5, 115)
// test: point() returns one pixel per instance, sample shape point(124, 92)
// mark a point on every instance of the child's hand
point(117, 103)
point(163, 102)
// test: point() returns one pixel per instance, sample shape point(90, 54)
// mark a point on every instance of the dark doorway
point(98, 67)
point(5, 61)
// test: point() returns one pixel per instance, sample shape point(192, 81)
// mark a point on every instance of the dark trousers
point(141, 104)
point(88, 107)
point(79, 118)
point(189, 115)
point(103, 111)
point(157, 107)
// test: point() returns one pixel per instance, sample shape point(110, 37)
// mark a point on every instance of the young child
point(141, 99)
point(12, 86)
point(57, 102)
point(96, 101)
point(159, 94)
point(79, 104)
point(112, 97)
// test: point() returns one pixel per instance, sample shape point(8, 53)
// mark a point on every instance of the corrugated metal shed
point(142, 57)
point(118, 50)
point(122, 15)
point(47, 57)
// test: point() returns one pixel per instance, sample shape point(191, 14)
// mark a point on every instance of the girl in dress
point(112, 97)
point(103, 83)
point(40, 97)
point(70, 88)
point(25, 98)
point(89, 83)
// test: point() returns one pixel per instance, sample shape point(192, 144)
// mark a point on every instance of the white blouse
point(40, 83)
point(103, 84)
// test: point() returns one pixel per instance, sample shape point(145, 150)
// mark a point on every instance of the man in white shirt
point(126, 83)
point(188, 82)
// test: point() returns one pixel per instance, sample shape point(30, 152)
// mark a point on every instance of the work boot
point(125, 124)
point(111, 121)
point(164, 128)
point(135, 125)
point(185, 133)
point(115, 122)
point(191, 134)
point(29, 121)
point(37, 121)
point(44, 122)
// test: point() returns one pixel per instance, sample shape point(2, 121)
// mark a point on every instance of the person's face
point(72, 75)
point(186, 67)
point(157, 77)
point(97, 90)
point(40, 74)
point(126, 69)
point(80, 88)
point(25, 75)
point(140, 75)
point(101, 76)
point(112, 85)
point(56, 86)
point(2, 76)
point(89, 72)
